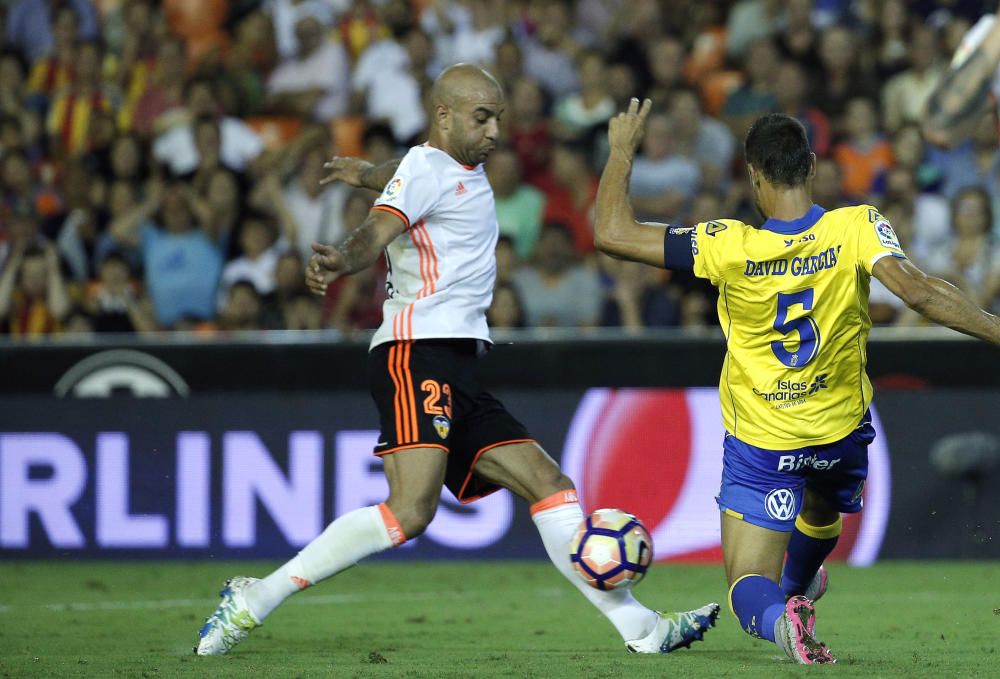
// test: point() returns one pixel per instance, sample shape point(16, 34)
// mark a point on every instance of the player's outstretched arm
point(359, 173)
point(936, 299)
point(963, 93)
point(616, 232)
point(358, 251)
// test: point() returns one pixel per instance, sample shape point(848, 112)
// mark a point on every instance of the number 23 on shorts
point(434, 391)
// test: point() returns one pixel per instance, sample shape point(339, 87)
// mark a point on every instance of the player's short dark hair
point(777, 146)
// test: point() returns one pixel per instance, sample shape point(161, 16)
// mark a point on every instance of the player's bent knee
point(414, 516)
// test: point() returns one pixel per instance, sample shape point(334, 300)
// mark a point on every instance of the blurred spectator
point(243, 309)
point(893, 38)
point(558, 290)
point(578, 115)
point(239, 145)
point(261, 249)
point(218, 207)
point(797, 38)
point(756, 96)
point(182, 263)
point(530, 134)
point(636, 299)
point(828, 185)
point(700, 137)
point(74, 105)
point(33, 25)
point(909, 152)
point(289, 279)
point(115, 302)
point(384, 86)
point(972, 259)
point(286, 15)
point(17, 184)
point(249, 60)
point(549, 54)
point(905, 96)
point(508, 65)
point(164, 91)
point(33, 298)
point(77, 242)
point(842, 78)
point(466, 32)
point(791, 88)
point(924, 216)
point(52, 68)
point(666, 66)
point(865, 155)
point(356, 302)
point(78, 324)
point(315, 82)
point(131, 47)
point(302, 312)
point(315, 210)
point(663, 181)
point(622, 84)
point(975, 162)
point(379, 143)
point(13, 86)
point(570, 192)
point(506, 310)
point(748, 21)
point(507, 260)
point(519, 206)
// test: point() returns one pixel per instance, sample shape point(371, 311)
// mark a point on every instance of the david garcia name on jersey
point(443, 267)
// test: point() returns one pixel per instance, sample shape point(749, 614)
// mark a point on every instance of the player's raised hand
point(625, 130)
point(325, 266)
point(345, 169)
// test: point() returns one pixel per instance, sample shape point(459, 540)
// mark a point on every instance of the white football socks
point(346, 541)
point(557, 518)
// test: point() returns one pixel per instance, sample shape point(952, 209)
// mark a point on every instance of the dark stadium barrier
point(253, 469)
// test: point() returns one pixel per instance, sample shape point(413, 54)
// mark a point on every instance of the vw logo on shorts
point(780, 504)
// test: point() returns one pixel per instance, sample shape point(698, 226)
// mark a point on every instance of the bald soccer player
point(436, 223)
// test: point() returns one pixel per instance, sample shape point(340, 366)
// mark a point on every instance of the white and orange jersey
point(442, 268)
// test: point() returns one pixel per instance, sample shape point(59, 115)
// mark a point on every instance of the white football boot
point(231, 622)
point(676, 630)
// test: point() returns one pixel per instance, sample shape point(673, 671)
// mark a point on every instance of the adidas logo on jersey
point(460, 190)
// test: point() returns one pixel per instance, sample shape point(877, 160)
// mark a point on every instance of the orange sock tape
point(392, 526)
point(563, 497)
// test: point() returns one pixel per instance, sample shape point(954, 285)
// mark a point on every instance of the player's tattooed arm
point(936, 299)
point(360, 173)
point(616, 232)
point(358, 251)
point(963, 93)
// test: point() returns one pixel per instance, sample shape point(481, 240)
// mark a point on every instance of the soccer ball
point(611, 549)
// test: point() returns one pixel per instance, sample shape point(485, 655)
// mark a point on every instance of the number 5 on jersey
point(805, 326)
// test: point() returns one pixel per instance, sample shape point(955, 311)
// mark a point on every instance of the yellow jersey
point(793, 304)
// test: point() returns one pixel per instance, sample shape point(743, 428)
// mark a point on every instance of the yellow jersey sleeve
point(876, 238)
point(717, 248)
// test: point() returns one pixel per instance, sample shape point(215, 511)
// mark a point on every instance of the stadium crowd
point(160, 162)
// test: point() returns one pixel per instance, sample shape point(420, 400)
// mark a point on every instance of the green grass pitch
point(476, 620)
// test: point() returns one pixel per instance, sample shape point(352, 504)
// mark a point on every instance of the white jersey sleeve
point(971, 41)
point(412, 192)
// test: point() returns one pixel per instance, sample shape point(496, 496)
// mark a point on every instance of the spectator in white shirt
point(261, 251)
point(316, 81)
point(286, 14)
point(239, 146)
